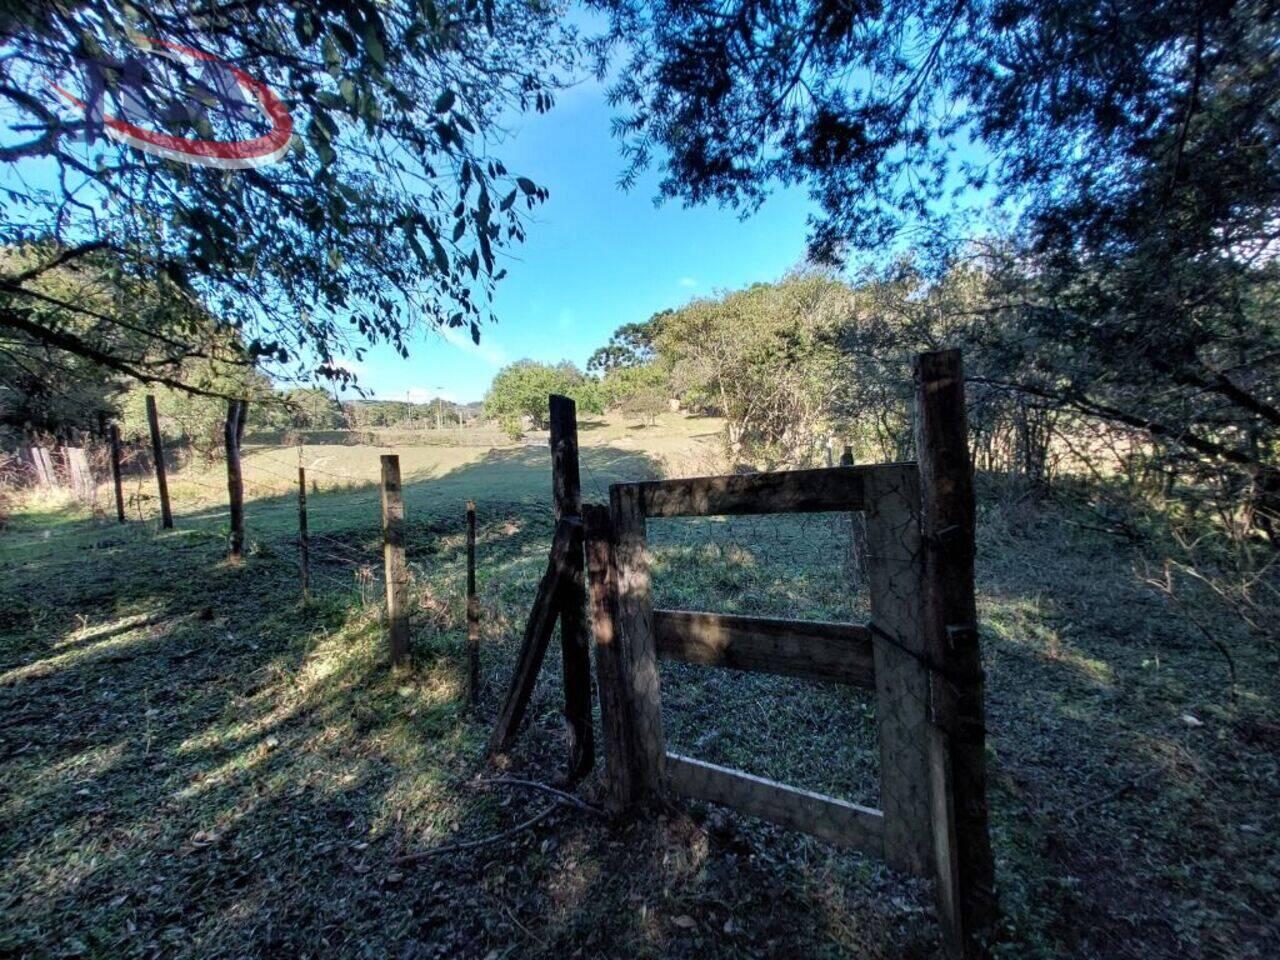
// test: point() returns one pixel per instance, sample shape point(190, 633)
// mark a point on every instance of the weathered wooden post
point(566, 487)
point(857, 530)
point(116, 478)
point(232, 433)
point(634, 636)
point(157, 453)
point(473, 612)
point(615, 715)
point(966, 867)
point(393, 558)
point(537, 634)
point(304, 542)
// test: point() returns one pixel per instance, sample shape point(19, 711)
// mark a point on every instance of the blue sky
point(596, 257)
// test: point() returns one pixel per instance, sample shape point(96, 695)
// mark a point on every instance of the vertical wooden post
point(566, 488)
point(304, 541)
point(894, 576)
point(615, 715)
point(157, 453)
point(115, 471)
point(966, 867)
point(232, 432)
point(857, 530)
point(393, 558)
point(473, 612)
point(639, 657)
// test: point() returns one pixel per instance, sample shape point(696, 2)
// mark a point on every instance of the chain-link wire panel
point(798, 566)
point(813, 735)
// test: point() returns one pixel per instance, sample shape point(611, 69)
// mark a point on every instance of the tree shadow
point(238, 775)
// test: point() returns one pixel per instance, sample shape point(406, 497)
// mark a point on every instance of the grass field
point(197, 763)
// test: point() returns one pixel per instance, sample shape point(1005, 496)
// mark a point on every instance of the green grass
point(198, 763)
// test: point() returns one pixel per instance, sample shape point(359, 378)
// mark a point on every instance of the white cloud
point(688, 282)
point(488, 350)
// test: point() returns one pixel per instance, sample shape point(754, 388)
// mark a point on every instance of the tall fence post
point(393, 558)
point(617, 722)
point(157, 452)
point(966, 867)
point(566, 486)
point(116, 478)
point(304, 543)
point(473, 612)
point(233, 432)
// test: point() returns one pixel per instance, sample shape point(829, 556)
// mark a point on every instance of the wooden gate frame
point(919, 653)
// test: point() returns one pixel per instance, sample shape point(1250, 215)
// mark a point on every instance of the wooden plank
point(814, 650)
point(395, 569)
point(157, 453)
point(788, 491)
point(40, 466)
point(894, 572)
point(81, 477)
point(575, 647)
point(965, 865)
point(840, 822)
point(116, 478)
point(473, 612)
point(537, 634)
point(616, 720)
point(46, 467)
point(639, 658)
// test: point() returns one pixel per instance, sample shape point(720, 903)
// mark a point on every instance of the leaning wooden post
point(959, 787)
point(232, 432)
point(115, 471)
point(393, 558)
point(537, 634)
point(304, 542)
point(157, 453)
point(566, 487)
point(473, 612)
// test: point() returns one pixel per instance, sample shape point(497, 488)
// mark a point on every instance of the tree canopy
point(521, 389)
point(386, 212)
point(1127, 157)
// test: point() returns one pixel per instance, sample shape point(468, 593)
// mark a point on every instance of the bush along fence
point(920, 651)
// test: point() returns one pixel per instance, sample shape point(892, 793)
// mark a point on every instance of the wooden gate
point(918, 653)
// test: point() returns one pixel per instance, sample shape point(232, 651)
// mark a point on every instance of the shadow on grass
point(236, 775)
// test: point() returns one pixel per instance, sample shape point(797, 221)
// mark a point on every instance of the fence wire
point(861, 567)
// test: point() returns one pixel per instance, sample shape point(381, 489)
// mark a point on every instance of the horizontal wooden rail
point(839, 652)
point(838, 821)
point(791, 491)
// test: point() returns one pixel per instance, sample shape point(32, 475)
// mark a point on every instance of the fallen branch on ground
point(409, 858)
point(535, 785)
